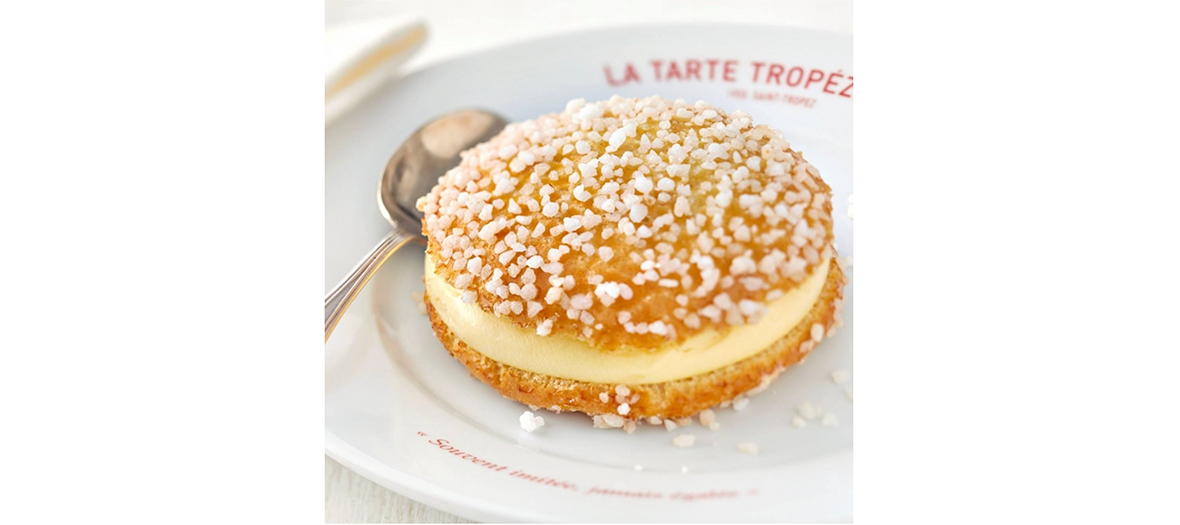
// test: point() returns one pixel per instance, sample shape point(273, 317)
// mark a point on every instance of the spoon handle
point(341, 297)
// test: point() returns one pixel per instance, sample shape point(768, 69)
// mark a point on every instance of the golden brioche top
point(629, 222)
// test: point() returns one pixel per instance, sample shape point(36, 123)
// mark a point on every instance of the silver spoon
point(411, 173)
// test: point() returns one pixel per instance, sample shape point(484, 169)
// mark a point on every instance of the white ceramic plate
point(402, 412)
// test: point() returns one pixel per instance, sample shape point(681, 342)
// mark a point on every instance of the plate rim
point(653, 26)
point(422, 490)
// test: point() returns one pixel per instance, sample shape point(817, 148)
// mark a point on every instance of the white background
point(468, 26)
point(162, 220)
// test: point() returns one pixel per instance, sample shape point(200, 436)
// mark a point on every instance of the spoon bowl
point(411, 173)
point(432, 150)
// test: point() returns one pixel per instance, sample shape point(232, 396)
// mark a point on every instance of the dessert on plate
point(631, 259)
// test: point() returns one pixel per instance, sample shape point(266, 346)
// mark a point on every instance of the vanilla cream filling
point(565, 356)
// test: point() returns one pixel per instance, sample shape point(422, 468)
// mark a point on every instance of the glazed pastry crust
point(669, 399)
point(629, 222)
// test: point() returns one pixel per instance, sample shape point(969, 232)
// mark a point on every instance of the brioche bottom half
point(668, 399)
